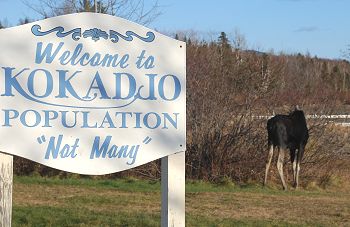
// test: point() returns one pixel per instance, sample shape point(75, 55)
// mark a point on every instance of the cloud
point(307, 29)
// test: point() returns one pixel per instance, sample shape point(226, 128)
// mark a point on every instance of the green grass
point(51, 216)
point(120, 184)
point(136, 185)
point(41, 201)
point(55, 216)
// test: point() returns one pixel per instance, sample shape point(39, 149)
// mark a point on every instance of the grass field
point(129, 202)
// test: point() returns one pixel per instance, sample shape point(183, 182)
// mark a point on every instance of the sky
point(318, 27)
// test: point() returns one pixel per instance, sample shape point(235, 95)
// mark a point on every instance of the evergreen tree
point(225, 53)
point(189, 41)
point(324, 72)
point(24, 21)
point(223, 40)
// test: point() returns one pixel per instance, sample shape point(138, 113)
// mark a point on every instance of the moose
point(287, 132)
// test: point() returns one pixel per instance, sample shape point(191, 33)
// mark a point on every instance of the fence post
point(173, 190)
point(6, 179)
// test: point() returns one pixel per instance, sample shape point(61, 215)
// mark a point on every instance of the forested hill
point(264, 81)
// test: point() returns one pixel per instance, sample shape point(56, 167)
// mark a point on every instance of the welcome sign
point(91, 93)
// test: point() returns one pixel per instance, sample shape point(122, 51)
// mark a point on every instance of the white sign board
point(91, 93)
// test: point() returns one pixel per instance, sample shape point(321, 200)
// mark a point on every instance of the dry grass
point(205, 205)
point(295, 209)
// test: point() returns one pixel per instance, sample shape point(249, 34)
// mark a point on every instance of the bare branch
point(136, 10)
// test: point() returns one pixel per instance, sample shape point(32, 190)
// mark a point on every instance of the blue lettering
point(54, 149)
point(104, 151)
point(64, 57)
point(9, 115)
point(76, 54)
point(132, 154)
point(146, 120)
point(24, 118)
point(99, 86)
point(49, 115)
point(64, 119)
point(96, 151)
point(107, 119)
point(49, 83)
point(172, 121)
point(123, 118)
point(95, 60)
point(47, 53)
point(65, 85)
point(151, 95)
point(147, 64)
point(86, 120)
point(11, 81)
point(177, 86)
point(132, 86)
point(137, 120)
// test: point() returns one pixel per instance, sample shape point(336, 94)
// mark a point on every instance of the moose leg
point(268, 163)
point(280, 161)
point(299, 158)
point(293, 159)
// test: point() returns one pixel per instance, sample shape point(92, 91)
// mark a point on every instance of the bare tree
point(140, 11)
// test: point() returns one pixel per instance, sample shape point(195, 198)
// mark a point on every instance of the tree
point(26, 20)
point(336, 77)
point(223, 41)
point(225, 53)
point(239, 41)
point(4, 23)
point(135, 10)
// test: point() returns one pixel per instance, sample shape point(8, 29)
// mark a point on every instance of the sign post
point(6, 178)
point(94, 94)
point(173, 190)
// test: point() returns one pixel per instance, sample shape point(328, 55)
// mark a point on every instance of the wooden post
point(173, 190)
point(6, 179)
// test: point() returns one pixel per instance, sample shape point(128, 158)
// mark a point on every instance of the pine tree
point(223, 41)
point(225, 53)
point(24, 21)
point(324, 72)
point(189, 41)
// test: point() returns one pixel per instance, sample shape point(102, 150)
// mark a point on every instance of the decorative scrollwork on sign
point(114, 36)
point(95, 34)
point(76, 33)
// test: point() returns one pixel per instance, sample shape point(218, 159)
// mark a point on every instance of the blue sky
point(320, 27)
